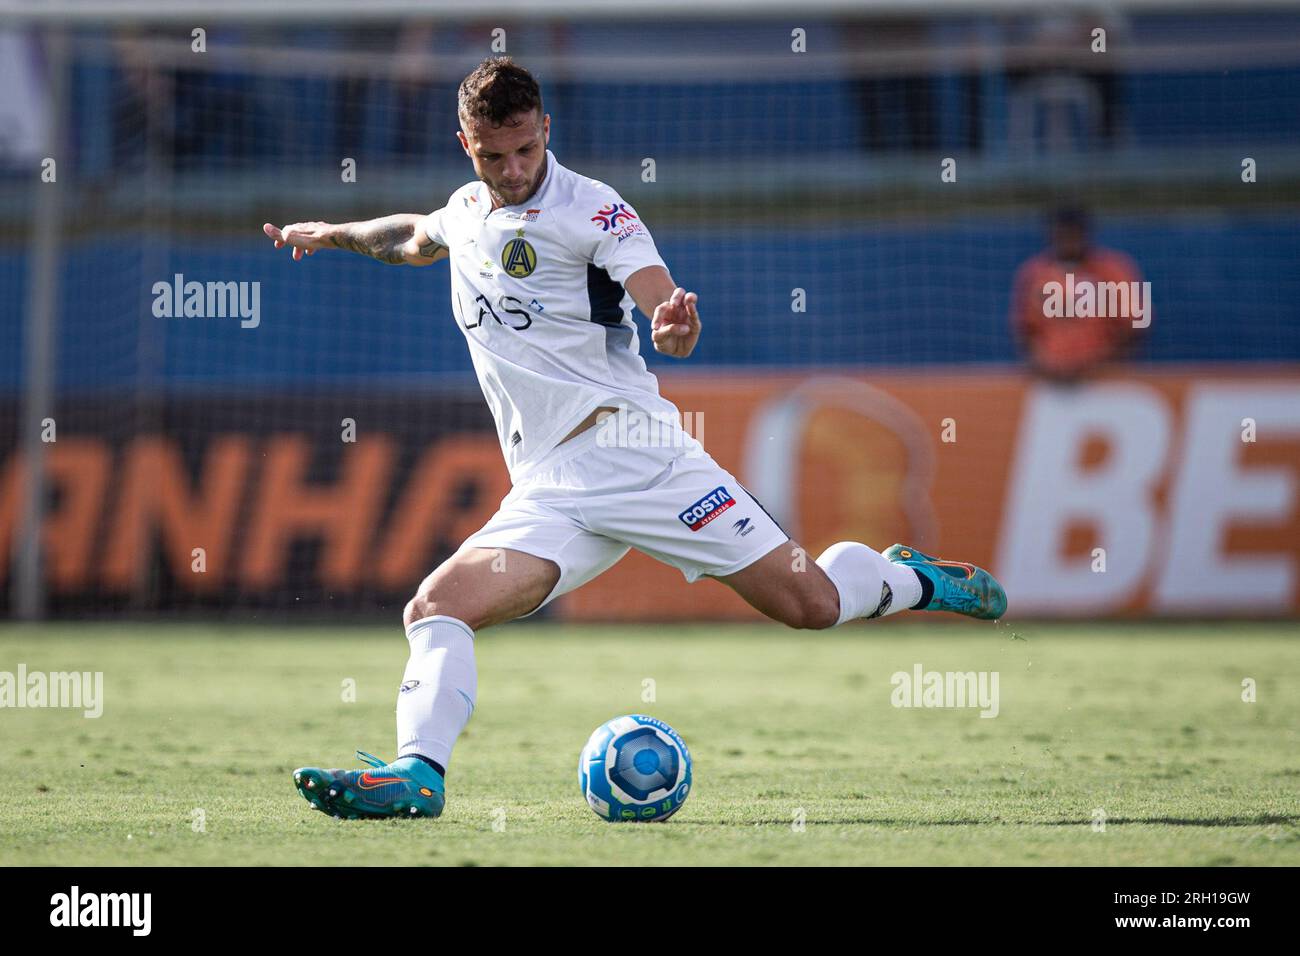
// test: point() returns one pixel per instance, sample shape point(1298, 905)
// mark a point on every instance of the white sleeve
point(611, 235)
point(433, 226)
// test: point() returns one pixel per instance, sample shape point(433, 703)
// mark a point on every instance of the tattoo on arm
point(431, 249)
point(380, 239)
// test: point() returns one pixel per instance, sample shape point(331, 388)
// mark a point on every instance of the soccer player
point(546, 266)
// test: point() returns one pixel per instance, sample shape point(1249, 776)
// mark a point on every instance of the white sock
point(870, 585)
point(438, 689)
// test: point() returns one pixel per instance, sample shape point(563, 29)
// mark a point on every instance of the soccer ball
point(635, 768)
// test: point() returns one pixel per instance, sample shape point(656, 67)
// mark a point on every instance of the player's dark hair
point(497, 90)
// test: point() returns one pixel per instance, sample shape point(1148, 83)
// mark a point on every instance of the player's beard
point(516, 196)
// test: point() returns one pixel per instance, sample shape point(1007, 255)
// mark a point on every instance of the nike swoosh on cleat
point(367, 782)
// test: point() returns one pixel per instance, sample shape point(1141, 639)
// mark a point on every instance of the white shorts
point(583, 505)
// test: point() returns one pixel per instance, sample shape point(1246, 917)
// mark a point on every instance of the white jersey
point(538, 291)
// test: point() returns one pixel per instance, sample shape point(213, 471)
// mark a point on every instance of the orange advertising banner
point(1159, 492)
point(1147, 492)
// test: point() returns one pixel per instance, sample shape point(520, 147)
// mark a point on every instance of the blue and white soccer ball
point(635, 768)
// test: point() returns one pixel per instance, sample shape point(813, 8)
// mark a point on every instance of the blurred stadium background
point(857, 303)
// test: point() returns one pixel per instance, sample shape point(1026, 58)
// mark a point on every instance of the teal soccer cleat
point(407, 787)
point(958, 587)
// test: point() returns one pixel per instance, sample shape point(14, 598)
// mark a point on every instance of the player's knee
point(426, 603)
point(418, 608)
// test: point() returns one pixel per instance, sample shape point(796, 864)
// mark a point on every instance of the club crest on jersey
point(707, 508)
point(518, 258)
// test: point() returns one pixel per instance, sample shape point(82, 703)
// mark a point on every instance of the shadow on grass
point(1266, 819)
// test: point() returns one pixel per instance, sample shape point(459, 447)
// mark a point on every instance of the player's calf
point(787, 588)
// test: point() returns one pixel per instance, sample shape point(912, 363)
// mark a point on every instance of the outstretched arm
point(398, 240)
point(674, 322)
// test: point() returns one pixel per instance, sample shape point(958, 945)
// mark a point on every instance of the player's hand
point(675, 326)
point(304, 237)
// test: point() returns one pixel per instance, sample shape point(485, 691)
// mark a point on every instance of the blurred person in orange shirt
point(1067, 347)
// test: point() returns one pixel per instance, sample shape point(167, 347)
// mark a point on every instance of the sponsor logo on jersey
point(743, 527)
point(409, 685)
point(707, 508)
point(536, 306)
point(519, 258)
point(611, 215)
point(530, 215)
point(618, 219)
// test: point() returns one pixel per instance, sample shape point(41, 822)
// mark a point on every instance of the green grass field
point(1144, 722)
